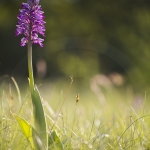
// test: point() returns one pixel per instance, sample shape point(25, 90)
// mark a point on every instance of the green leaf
point(26, 129)
point(30, 133)
point(54, 141)
point(39, 116)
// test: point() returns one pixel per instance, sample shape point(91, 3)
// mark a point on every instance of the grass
point(122, 122)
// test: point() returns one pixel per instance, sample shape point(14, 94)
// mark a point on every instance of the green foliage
point(39, 116)
point(54, 141)
point(30, 133)
point(122, 122)
point(26, 128)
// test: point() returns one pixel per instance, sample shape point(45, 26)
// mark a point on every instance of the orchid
point(31, 22)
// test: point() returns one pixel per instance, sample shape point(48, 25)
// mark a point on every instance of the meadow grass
point(122, 122)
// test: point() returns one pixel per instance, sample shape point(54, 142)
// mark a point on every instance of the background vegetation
point(83, 38)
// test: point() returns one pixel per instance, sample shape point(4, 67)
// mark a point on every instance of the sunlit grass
point(122, 122)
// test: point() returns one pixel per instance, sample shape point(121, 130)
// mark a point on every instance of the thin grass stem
point(62, 103)
point(17, 88)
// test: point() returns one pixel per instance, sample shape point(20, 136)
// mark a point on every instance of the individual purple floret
point(31, 22)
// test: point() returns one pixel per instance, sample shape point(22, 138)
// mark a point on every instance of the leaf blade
point(30, 133)
point(26, 129)
point(54, 141)
point(39, 116)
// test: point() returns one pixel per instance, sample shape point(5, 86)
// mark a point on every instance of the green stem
point(30, 69)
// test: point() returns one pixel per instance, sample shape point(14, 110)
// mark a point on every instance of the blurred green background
point(84, 38)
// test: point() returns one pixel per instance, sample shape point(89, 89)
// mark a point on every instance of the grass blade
point(54, 141)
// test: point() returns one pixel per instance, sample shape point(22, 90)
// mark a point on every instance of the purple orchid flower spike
point(31, 22)
point(36, 2)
